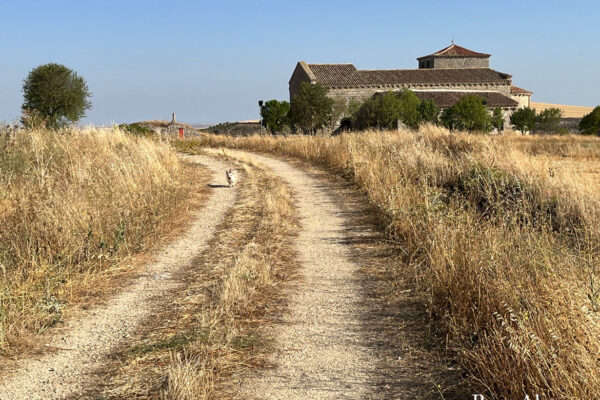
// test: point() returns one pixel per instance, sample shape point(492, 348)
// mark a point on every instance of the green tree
point(381, 111)
point(366, 115)
point(409, 109)
point(590, 124)
point(524, 119)
point(275, 115)
point(449, 118)
point(310, 109)
point(387, 110)
point(549, 120)
point(428, 112)
point(469, 113)
point(384, 110)
point(55, 94)
point(498, 119)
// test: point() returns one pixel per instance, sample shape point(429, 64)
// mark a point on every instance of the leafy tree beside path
point(54, 96)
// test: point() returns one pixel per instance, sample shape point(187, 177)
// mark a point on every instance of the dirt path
point(321, 349)
point(86, 341)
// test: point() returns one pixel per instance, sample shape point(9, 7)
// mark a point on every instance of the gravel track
point(86, 341)
point(321, 351)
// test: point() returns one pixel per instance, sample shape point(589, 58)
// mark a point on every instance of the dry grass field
point(499, 234)
point(73, 204)
point(568, 111)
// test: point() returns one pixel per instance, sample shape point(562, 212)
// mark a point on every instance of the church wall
point(523, 99)
point(454, 62)
point(296, 80)
point(459, 62)
point(361, 94)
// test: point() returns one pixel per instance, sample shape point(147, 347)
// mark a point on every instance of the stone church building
point(444, 77)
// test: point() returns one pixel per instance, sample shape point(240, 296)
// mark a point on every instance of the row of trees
point(527, 119)
point(311, 110)
point(387, 110)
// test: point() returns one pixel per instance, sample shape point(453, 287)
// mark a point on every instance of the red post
point(180, 133)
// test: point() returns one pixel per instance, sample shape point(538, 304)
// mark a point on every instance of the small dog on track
point(232, 176)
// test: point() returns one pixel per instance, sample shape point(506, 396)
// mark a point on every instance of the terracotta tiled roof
point(515, 89)
point(434, 76)
point(337, 74)
point(456, 51)
point(447, 99)
point(346, 75)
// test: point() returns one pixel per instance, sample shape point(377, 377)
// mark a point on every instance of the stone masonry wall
point(456, 62)
point(361, 94)
point(523, 99)
point(297, 78)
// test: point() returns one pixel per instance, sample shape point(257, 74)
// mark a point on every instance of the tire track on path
point(321, 352)
point(86, 341)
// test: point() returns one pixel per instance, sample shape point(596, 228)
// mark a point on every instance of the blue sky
point(210, 61)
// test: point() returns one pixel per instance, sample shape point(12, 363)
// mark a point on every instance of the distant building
point(444, 77)
point(522, 96)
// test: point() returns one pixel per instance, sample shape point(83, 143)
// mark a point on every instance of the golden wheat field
point(499, 234)
point(568, 111)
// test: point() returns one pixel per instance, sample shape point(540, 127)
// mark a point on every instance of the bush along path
point(86, 341)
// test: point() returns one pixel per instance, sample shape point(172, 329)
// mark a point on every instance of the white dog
point(232, 176)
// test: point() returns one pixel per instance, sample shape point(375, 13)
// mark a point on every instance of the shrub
point(275, 115)
point(498, 119)
point(366, 115)
point(409, 109)
point(388, 110)
point(55, 96)
point(135, 129)
point(590, 124)
point(549, 120)
point(383, 111)
point(428, 112)
point(469, 113)
point(310, 109)
point(523, 119)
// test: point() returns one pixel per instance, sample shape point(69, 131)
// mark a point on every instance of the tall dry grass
point(500, 239)
point(73, 203)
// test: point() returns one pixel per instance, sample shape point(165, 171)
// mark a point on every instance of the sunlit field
point(73, 204)
point(500, 236)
